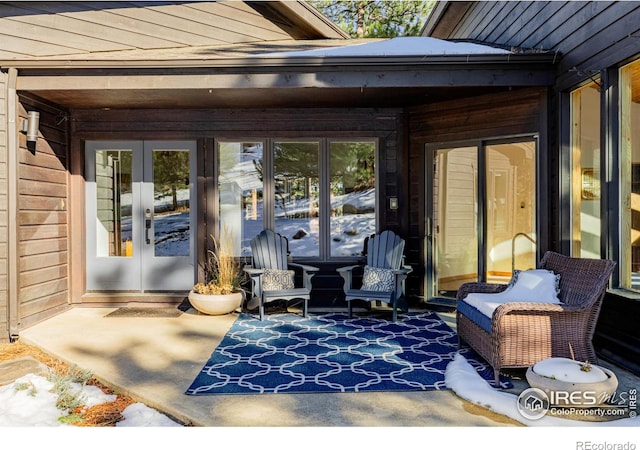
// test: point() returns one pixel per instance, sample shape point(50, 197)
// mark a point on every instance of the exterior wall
point(4, 334)
point(208, 125)
point(43, 237)
point(589, 36)
point(482, 117)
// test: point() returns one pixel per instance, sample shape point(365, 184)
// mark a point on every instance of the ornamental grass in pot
point(221, 291)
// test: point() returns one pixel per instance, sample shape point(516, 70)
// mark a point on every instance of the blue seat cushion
point(474, 315)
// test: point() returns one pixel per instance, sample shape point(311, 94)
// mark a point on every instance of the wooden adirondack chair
point(273, 276)
point(383, 275)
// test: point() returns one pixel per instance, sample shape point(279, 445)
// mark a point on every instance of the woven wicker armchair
point(523, 333)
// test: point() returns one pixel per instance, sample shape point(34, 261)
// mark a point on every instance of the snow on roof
point(400, 46)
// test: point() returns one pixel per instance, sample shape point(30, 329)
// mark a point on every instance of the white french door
point(140, 215)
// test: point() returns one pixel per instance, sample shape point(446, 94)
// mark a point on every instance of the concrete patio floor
point(155, 359)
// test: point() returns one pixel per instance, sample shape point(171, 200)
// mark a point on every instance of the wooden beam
point(452, 76)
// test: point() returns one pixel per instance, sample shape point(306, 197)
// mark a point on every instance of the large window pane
point(585, 137)
point(114, 202)
point(353, 196)
point(297, 195)
point(630, 176)
point(240, 186)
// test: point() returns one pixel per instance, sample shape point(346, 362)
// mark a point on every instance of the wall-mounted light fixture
point(30, 126)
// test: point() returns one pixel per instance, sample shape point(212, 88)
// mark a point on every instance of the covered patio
point(154, 359)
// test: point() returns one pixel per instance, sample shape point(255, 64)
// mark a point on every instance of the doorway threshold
point(446, 302)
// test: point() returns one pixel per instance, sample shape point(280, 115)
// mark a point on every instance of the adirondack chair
point(383, 275)
point(273, 275)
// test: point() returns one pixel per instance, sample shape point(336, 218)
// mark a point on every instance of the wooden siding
point(42, 216)
point(73, 28)
point(588, 36)
point(4, 323)
point(475, 118)
point(207, 125)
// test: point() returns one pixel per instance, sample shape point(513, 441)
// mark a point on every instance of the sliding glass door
point(480, 218)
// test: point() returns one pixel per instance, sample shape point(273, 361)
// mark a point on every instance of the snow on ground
point(464, 380)
point(29, 402)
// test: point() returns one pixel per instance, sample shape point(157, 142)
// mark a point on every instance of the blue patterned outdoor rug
point(286, 353)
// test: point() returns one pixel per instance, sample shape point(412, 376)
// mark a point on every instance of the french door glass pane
point(240, 187)
point(171, 218)
point(114, 203)
point(455, 218)
point(510, 209)
point(297, 195)
point(353, 196)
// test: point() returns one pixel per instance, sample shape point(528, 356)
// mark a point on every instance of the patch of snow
point(465, 381)
point(30, 402)
point(140, 415)
point(566, 369)
point(399, 46)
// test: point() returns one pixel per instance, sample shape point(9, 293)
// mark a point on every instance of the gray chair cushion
point(277, 280)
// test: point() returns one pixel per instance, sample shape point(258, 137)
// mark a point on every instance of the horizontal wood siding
point(83, 27)
point(588, 36)
point(482, 117)
point(4, 322)
point(207, 125)
point(42, 216)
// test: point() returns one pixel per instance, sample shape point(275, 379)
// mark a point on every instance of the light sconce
point(30, 126)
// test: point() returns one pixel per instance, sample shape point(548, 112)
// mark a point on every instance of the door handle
point(147, 225)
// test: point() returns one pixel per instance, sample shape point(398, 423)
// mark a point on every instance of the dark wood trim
point(616, 336)
point(120, 299)
point(610, 138)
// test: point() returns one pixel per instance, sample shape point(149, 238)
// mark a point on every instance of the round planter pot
point(564, 390)
point(215, 305)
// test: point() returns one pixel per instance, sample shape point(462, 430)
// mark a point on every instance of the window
point(352, 173)
point(585, 178)
point(240, 191)
point(296, 172)
point(630, 176)
point(320, 194)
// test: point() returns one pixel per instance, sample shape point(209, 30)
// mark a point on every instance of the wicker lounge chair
point(523, 333)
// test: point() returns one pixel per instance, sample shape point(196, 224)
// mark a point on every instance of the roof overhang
point(324, 76)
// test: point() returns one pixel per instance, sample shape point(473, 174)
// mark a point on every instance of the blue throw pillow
point(380, 280)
